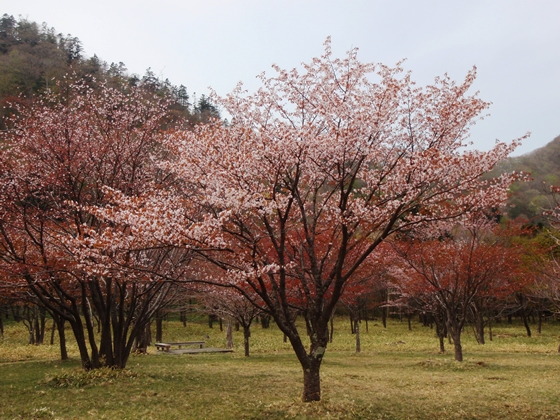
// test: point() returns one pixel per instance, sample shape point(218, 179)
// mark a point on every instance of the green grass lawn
point(398, 375)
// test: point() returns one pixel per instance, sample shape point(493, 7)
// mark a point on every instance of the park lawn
point(398, 375)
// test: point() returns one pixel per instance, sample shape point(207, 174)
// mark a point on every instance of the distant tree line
point(34, 57)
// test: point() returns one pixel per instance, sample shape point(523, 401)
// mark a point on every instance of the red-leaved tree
point(450, 276)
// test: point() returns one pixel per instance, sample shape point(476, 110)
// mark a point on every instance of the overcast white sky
point(514, 43)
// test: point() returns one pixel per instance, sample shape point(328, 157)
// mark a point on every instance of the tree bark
point(310, 361)
point(311, 381)
point(78, 330)
point(523, 304)
point(265, 321)
point(457, 346)
point(246, 336)
point(40, 324)
point(229, 333)
point(441, 343)
point(479, 325)
point(455, 327)
point(59, 322)
point(526, 324)
point(441, 331)
point(143, 340)
point(53, 329)
point(159, 327)
point(357, 332)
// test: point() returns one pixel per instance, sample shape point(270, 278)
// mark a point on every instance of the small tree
point(231, 305)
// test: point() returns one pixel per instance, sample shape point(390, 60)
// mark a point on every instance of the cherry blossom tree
point(54, 160)
point(229, 304)
point(314, 171)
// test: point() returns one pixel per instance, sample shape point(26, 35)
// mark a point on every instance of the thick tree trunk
point(310, 361)
point(312, 381)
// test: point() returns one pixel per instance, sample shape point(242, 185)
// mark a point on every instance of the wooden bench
point(167, 346)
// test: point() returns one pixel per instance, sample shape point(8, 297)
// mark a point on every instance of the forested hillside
point(34, 57)
point(530, 199)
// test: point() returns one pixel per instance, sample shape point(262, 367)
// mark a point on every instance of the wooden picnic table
point(167, 346)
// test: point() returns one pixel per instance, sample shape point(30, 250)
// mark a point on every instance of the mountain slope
point(529, 199)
